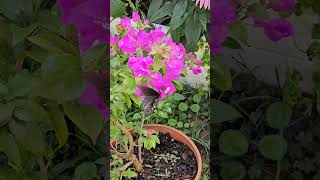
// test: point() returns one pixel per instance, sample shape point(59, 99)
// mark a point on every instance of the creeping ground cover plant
point(145, 66)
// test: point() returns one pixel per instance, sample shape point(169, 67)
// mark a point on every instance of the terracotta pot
point(178, 136)
point(182, 138)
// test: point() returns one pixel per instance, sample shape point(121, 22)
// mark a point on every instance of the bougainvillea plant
point(229, 15)
point(141, 56)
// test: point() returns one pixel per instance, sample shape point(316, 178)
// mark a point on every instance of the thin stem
point(140, 145)
point(42, 165)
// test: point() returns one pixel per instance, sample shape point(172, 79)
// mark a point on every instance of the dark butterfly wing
point(149, 91)
point(150, 100)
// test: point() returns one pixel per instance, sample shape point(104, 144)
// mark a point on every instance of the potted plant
point(145, 66)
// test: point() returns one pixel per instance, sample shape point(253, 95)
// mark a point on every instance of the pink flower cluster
point(224, 14)
point(152, 55)
point(277, 29)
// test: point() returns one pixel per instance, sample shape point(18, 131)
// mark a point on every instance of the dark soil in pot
point(169, 160)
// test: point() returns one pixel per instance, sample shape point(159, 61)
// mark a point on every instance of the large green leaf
point(238, 30)
point(85, 171)
point(154, 7)
point(9, 146)
point(17, 9)
point(30, 136)
point(222, 112)
point(162, 12)
point(61, 78)
point(222, 76)
point(19, 34)
point(273, 147)
point(5, 113)
point(87, 118)
point(278, 115)
point(59, 124)
point(53, 43)
point(30, 111)
point(193, 32)
point(21, 84)
point(9, 174)
point(178, 12)
point(233, 143)
point(118, 8)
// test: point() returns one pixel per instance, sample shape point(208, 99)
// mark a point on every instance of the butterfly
point(150, 100)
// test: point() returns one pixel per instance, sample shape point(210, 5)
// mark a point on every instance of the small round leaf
point(233, 171)
point(278, 115)
point(233, 143)
point(172, 122)
point(273, 147)
point(195, 108)
point(197, 98)
point(183, 107)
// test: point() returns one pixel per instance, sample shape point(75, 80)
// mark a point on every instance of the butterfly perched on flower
point(151, 98)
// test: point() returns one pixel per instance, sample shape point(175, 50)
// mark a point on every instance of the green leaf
point(85, 171)
point(129, 173)
point(278, 115)
point(316, 31)
point(3, 89)
point(21, 84)
point(178, 97)
point(136, 99)
point(161, 13)
point(233, 143)
point(93, 55)
point(238, 30)
point(233, 171)
point(19, 10)
point(38, 55)
point(273, 147)
point(53, 43)
point(87, 118)
point(196, 98)
point(154, 7)
point(51, 21)
point(19, 34)
point(195, 107)
point(172, 122)
point(118, 8)
point(59, 124)
point(178, 11)
point(30, 136)
point(222, 112)
point(180, 124)
point(9, 174)
point(177, 85)
point(231, 43)
point(183, 107)
point(61, 78)
point(222, 76)
point(5, 113)
point(9, 146)
point(28, 111)
point(193, 32)
point(162, 114)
